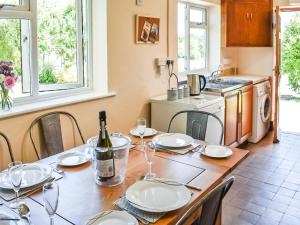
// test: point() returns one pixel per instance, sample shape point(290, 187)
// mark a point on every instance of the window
point(192, 38)
point(48, 43)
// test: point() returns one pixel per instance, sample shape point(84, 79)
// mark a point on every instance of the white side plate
point(173, 140)
point(72, 159)
point(113, 218)
point(148, 132)
point(33, 174)
point(157, 197)
point(217, 151)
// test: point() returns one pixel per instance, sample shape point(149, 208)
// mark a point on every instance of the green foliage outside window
point(56, 35)
point(291, 53)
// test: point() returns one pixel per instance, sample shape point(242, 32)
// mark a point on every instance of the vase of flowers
point(8, 79)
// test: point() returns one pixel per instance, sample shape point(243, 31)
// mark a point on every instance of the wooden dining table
point(81, 198)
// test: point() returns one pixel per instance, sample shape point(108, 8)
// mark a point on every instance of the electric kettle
point(197, 83)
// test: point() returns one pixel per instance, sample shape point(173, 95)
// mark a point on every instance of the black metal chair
point(51, 134)
point(210, 205)
point(197, 123)
point(12, 158)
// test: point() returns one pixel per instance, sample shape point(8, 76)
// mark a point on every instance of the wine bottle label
point(105, 168)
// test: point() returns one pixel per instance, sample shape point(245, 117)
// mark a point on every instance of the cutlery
point(92, 220)
point(9, 219)
point(58, 169)
point(202, 149)
point(173, 183)
point(37, 189)
point(24, 212)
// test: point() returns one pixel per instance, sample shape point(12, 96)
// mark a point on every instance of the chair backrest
point(12, 158)
point(210, 204)
point(196, 123)
point(51, 133)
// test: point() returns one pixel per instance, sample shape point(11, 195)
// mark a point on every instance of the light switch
point(139, 2)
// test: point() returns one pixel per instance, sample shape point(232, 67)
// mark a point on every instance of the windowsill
point(53, 103)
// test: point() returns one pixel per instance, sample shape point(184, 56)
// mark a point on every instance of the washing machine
point(261, 111)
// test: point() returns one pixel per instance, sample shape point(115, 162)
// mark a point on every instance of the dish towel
point(142, 216)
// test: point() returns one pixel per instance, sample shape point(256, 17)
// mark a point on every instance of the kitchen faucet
point(215, 74)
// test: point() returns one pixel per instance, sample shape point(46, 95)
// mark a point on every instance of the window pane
point(197, 48)
point(12, 42)
point(10, 2)
point(197, 16)
point(57, 41)
point(181, 38)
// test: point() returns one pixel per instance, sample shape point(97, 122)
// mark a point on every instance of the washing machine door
point(265, 108)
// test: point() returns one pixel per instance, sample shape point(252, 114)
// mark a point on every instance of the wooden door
point(246, 112)
point(260, 28)
point(277, 75)
point(238, 20)
point(231, 118)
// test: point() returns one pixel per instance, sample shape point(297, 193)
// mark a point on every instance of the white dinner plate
point(153, 196)
point(148, 132)
point(217, 151)
point(33, 174)
point(72, 159)
point(113, 218)
point(173, 140)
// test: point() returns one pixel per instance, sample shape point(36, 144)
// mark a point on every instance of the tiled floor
point(267, 186)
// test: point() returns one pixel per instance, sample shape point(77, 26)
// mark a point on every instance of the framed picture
point(147, 29)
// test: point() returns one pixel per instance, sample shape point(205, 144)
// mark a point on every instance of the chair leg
point(219, 218)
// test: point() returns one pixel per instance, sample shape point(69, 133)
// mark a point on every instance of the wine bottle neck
point(103, 128)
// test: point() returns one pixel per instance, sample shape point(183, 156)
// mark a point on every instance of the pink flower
point(9, 82)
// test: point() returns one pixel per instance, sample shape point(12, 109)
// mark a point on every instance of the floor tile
point(267, 187)
point(249, 217)
point(289, 220)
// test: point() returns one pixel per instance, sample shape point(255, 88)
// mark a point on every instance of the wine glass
point(141, 127)
point(50, 196)
point(149, 152)
point(15, 173)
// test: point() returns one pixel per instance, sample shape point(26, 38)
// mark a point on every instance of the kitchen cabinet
point(231, 118)
point(238, 115)
point(247, 23)
point(246, 109)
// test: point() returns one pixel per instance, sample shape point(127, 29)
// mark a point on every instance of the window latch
point(2, 6)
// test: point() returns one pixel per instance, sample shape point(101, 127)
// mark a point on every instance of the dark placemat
point(9, 195)
point(142, 216)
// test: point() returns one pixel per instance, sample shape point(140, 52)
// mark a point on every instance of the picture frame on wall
point(147, 30)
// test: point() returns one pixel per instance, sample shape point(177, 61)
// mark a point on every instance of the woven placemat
point(142, 216)
point(9, 195)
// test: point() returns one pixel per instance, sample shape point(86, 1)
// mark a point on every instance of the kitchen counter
point(255, 78)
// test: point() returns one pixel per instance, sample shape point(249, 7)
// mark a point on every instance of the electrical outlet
point(139, 2)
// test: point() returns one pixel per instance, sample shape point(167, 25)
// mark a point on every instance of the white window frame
point(24, 6)
point(188, 25)
point(38, 91)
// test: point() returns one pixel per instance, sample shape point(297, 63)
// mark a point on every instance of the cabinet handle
point(247, 15)
point(251, 16)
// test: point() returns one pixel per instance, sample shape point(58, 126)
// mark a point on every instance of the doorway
point(289, 86)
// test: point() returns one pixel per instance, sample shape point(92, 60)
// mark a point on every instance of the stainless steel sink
point(224, 85)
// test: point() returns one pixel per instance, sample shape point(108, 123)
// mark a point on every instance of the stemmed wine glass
point(15, 172)
point(141, 127)
point(50, 196)
point(149, 152)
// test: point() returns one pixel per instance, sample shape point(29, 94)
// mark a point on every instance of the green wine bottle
point(104, 152)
